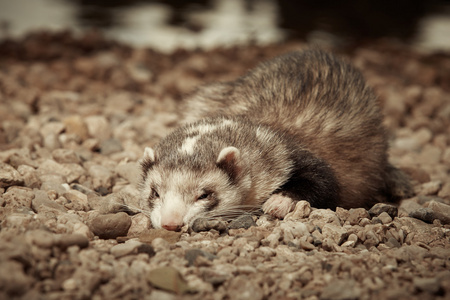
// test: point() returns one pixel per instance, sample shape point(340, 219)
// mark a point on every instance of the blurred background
point(167, 25)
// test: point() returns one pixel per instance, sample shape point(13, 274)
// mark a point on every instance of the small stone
point(41, 202)
point(111, 226)
point(9, 176)
point(140, 224)
point(336, 233)
point(161, 295)
point(101, 176)
point(147, 249)
point(64, 241)
point(18, 197)
point(130, 171)
point(169, 279)
point(241, 287)
point(52, 128)
point(13, 279)
point(356, 214)
point(441, 211)
point(342, 213)
point(392, 243)
point(75, 125)
point(125, 249)
point(301, 211)
point(320, 217)
point(430, 188)
point(29, 175)
point(78, 201)
point(40, 238)
point(305, 245)
point(169, 237)
point(341, 290)
point(385, 218)
point(245, 221)
point(420, 232)
point(204, 224)
point(379, 208)
point(273, 239)
point(110, 146)
point(428, 215)
point(65, 156)
point(351, 241)
point(98, 127)
point(430, 285)
point(408, 206)
point(71, 172)
point(192, 254)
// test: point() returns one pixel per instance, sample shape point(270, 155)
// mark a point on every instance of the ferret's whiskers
point(132, 208)
point(231, 212)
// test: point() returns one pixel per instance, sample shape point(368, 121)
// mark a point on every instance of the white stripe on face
point(173, 209)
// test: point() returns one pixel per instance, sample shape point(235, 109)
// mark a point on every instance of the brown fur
point(325, 105)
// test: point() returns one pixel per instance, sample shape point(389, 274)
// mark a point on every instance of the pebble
point(336, 233)
point(130, 171)
point(430, 285)
point(385, 218)
point(245, 221)
point(320, 217)
point(192, 254)
point(240, 287)
point(203, 224)
point(101, 176)
point(126, 248)
point(75, 125)
point(40, 238)
point(169, 237)
point(13, 279)
point(71, 172)
point(9, 176)
point(345, 289)
point(30, 176)
point(65, 156)
point(440, 210)
point(78, 201)
point(64, 241)
point(355, 215)
point(430, 188)
point(41, 202)
point(110, 226)
point(379, 208)
point(140, 224)
point(98, 127)
point(18, 197)
point(426, 214)
point(110, 146)
point(169, 279)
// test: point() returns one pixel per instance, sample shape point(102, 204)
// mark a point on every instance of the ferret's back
point(320, 101)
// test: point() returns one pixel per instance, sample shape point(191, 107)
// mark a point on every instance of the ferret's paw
point(278, 206)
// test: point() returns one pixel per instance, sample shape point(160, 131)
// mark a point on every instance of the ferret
point(302, 126)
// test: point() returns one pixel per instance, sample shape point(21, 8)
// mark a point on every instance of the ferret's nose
point(172, 227)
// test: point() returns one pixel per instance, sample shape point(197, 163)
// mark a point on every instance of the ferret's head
point(181, 186)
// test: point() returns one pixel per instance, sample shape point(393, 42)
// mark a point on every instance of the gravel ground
point(76, 114)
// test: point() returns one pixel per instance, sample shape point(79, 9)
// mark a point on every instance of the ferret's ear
point(148, 159)
point(229, 160)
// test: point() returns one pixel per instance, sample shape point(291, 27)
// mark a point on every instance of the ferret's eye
point(154, 194)
point(203, 196)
